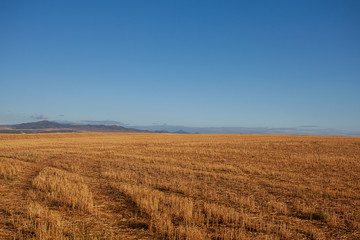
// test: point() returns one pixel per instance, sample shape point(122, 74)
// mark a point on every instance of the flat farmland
point(179, 186)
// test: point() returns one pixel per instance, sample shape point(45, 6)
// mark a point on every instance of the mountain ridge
point(46, 126)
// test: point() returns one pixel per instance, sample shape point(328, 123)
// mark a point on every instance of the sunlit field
point(174, 186)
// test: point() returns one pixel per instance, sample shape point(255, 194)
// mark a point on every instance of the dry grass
point(168, 186)
point(9, 169)
point(62, 187)
point(44, 223)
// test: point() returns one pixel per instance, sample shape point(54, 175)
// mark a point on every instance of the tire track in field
point(114, 211)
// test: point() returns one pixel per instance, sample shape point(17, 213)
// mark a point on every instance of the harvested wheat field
point(173, 186)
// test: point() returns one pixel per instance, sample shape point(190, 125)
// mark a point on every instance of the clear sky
point(194, 63)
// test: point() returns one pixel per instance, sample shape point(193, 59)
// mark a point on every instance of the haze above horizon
point(280, 64)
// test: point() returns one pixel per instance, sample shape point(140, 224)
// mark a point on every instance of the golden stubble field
point(172, 186)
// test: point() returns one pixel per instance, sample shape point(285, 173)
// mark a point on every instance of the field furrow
point(176, 186)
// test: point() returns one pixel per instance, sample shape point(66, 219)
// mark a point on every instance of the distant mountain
point(181, 132)
point(60, 127)
point(39, 125)
point(300, 130)
point(162, 131)
point(50, 127)
point(104, 128)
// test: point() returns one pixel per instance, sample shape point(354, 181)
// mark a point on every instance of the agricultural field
point(179, 186)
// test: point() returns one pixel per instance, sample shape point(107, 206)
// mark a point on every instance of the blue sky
point(192, 63)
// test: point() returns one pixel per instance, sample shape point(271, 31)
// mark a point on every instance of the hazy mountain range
point(52, 127)
point(113, 126)
point(300, 130)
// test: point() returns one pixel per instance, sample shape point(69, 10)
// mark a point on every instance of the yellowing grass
point(169, 186)
point(64, 188)
point(9, 168)
point(46, 224)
